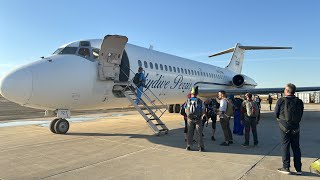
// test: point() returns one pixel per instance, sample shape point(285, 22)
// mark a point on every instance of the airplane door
point(110, 57)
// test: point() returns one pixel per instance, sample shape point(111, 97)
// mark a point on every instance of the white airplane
point(90, 74)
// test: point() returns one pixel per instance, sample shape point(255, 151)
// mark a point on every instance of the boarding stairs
point(147, 108)
point(109, 69)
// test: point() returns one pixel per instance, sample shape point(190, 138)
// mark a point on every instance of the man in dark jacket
point(288, 111)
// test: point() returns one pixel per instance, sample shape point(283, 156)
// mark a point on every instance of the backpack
point(193, 108)
point(252, 109)
point(229, 111)
point(292, 110)
point(136, 79)
point(315, 166)
point(183, 110)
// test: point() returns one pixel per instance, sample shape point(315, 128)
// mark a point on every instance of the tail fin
point(236, 61)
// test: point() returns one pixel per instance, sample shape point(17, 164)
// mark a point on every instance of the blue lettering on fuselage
point(161, 83)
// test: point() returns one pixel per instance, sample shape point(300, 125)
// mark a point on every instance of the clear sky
point(192, 29)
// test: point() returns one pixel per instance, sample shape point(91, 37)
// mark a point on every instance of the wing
point(214, 92)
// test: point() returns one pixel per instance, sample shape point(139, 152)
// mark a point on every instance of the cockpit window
point(57, 51)
point(68, 50)
point(85, 52)
point(84, 43)
point(95, 52)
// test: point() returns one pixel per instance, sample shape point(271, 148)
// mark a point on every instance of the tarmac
point(120, 145)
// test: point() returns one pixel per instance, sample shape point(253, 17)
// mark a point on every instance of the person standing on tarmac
point(224, 119)
point(211, 105)
point(249, 115)
point(194, 109)
point(237, 126)
point(289, 111)
point(270, 101)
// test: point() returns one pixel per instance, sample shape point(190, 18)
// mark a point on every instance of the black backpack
point(136, 79)
point(293, 110)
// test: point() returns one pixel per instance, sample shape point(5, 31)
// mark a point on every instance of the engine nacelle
point(240, 80)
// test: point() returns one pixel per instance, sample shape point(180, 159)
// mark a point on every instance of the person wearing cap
point(194, 123)
point(142, 81)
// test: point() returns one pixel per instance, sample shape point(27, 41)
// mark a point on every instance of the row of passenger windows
point(174, 69)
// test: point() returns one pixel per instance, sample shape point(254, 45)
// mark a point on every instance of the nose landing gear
point(59, 126)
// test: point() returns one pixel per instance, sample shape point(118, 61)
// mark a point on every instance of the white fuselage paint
point(71, 81)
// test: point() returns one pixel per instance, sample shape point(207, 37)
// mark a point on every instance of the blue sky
point(191, 29)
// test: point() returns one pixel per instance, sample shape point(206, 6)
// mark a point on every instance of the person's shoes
point(224, 144)
point(212, 138)
point(188, 148)
point(245, 145)
point(201, 149)
point(284, 170)
point(231, 142)
point(299, 173)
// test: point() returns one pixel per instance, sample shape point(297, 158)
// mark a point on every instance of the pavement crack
point(247, 172)
point(117, 157)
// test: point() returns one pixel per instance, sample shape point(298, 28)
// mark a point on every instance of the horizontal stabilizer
point(248, 48)
point(262, 47)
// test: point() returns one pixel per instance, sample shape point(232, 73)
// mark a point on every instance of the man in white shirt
point(224, 119)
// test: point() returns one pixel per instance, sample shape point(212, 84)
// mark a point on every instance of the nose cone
point(17, 86)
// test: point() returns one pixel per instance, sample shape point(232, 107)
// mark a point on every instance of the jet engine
point(240, 80)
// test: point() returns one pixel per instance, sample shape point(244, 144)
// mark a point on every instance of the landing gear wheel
point(177, 108)
point(61, 126)
point(171, 108)
point(53, 122)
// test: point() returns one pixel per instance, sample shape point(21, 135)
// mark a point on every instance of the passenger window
point(139, 63)
point(151, 65)
point(189, 71)
point(84, 52)
point(181, 70)
point(170, 69)
point(166, 67)
point(174, 69)
point(185, 71)
point(156, 66)
point(145, 64)
point(198, 73)
point(207, 75)
point(178, 70)
point(161, 67)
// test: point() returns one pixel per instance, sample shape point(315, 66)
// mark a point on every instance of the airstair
point(110, 57)
point(148, 108)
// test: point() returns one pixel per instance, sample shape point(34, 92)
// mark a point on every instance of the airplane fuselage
point(70, 81)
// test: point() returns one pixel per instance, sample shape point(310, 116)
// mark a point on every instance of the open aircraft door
point(110, 57)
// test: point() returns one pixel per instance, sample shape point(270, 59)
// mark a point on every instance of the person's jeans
point(251, 122)
point(293, 140)
point(225, 125)
point(139, 94)
point(195, 125)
